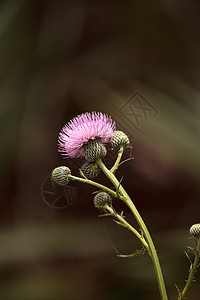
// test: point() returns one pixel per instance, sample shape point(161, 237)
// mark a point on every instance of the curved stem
point(119, 156)
point(111, 210)
point(152, 250)
point(193, 270)
point(88, 181)
point(128, 226)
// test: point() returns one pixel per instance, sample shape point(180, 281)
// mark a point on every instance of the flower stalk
point(151, 247)
point(193, 269)
point(119, 156)
point(86, 136)
point(91, 182)
point(146, 240)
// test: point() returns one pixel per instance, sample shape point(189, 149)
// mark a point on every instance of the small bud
point(195, 231)
point(120, 139)
point(102, 199)
point(60, 175)
point(93, 150)
point(90, 169)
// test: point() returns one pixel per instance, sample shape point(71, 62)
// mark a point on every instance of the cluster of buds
point(86, 136)
point(93, 150)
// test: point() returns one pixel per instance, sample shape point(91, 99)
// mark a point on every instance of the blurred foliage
point(59, 59)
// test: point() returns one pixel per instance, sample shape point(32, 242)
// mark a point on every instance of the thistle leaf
point(130, 158)
point(105, 215)
point(137, 253)
point(120, 223)
point(178, 290)
point(188, 257)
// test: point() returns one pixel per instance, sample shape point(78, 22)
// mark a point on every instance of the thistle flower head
point(82, 129)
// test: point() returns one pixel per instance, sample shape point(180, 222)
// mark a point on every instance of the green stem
point(152, 250)
point(128, 226)
point(88, 181)
point(119, 156)
point(193, 270)
point(111, 210)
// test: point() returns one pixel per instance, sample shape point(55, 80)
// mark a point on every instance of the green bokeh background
point(62, 58)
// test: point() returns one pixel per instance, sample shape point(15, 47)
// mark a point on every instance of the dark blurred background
point(139, 62)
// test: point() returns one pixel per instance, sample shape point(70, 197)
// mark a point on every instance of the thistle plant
point(87, 136)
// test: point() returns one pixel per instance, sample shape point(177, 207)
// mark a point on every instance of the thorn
point(105, 215)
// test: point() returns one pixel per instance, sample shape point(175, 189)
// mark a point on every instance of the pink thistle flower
point(83, 128)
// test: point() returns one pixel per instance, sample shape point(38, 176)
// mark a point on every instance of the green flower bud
point(93, 150)
point(195, 231)
point(102, 199)
point(120, 139)
point(60, 175)
point(90, 169)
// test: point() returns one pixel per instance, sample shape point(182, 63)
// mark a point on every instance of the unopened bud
point(195, 231)
point(60, 175)
point(102, 199)
point(120, 139)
